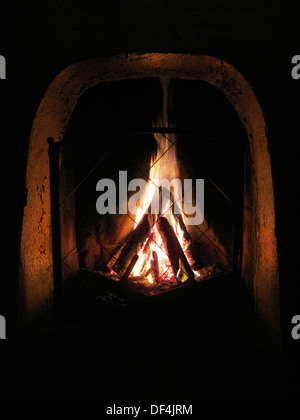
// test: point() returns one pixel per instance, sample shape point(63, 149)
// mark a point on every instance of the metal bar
point(156, 130)
point(55, 223)
point(159, 130)
point(219, 189)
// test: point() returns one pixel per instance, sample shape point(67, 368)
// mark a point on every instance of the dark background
point(258, 37)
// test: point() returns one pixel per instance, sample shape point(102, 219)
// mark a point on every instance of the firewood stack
point(123, 262)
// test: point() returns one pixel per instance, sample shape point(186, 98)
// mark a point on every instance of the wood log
point(129, 268)
point(179, 218)
point(132, 245)
point(114, 258)
point(155, 266)
point(173, 248)
point(182, 225)
point(147, 251)
point(190, 251)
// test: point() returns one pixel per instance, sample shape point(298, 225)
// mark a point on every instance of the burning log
point(131, 246)
point(175, 253)
point(189, 252)
point(114, 258)
point(182, 225)
point(130, 268)
point(178, 216)
point(154, 268)
point(146, 252)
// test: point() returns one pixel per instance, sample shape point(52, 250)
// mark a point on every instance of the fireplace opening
point(51, 241)
point(148, 129)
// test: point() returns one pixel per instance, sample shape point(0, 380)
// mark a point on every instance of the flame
point(163, 165)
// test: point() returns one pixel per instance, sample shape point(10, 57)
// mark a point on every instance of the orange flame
point(163, 166)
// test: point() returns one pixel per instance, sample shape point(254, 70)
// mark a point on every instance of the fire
point(164, 165)
point(158, 247)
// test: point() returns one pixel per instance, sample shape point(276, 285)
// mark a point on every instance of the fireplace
point(155, 247)
point(236, 237)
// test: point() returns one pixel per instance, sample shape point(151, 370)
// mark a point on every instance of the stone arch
point(260, 266)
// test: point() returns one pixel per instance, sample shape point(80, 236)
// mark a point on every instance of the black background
point(40, 38)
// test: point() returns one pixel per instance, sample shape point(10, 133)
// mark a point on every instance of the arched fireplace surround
point(259, 260)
